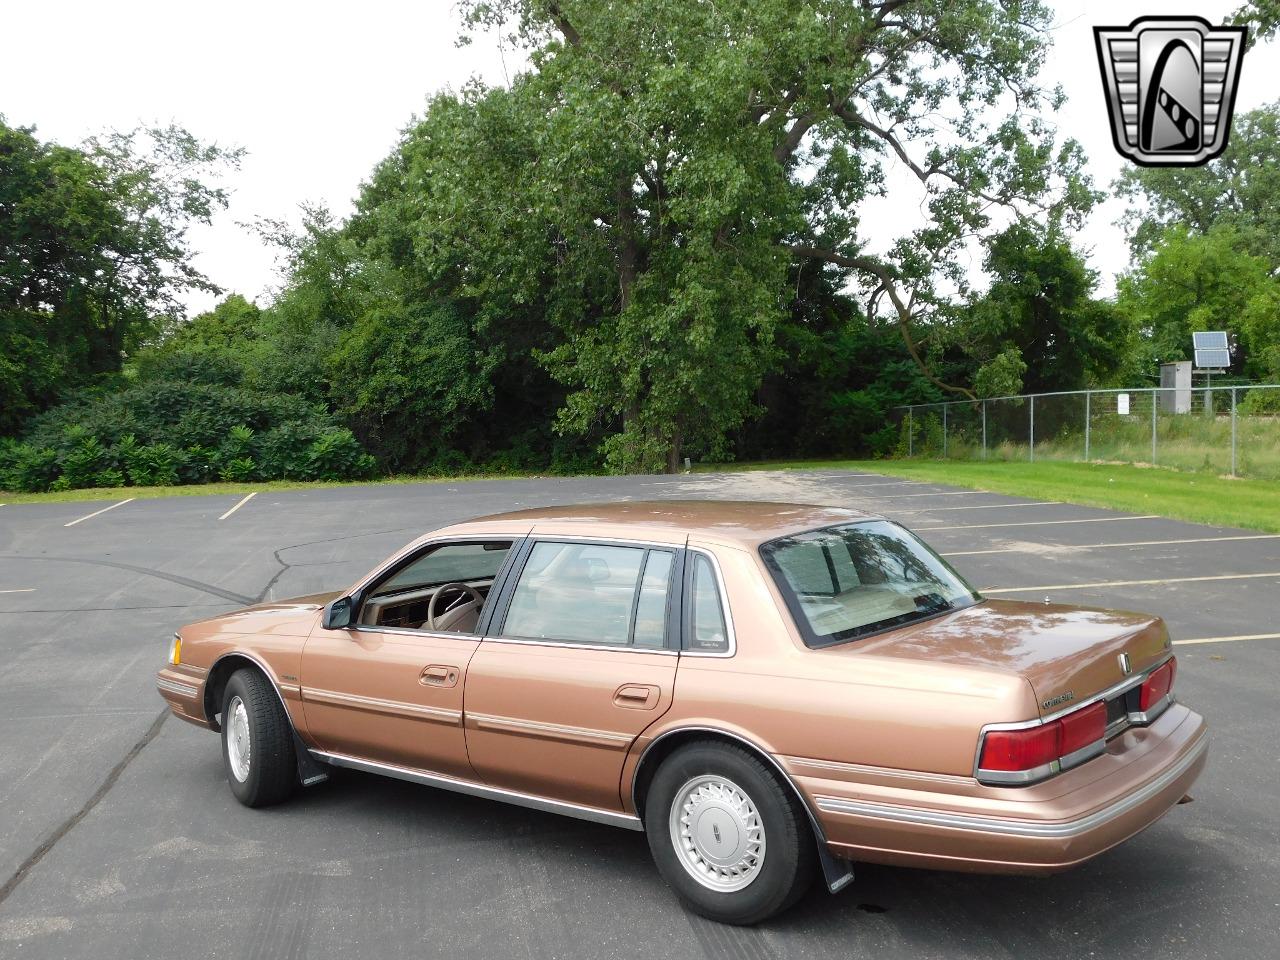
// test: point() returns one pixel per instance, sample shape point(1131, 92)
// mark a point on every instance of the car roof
point(740, 523)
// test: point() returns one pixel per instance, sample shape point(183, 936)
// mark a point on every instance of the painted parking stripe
point(97, 512)
point(1073, 547)
point(910, 496)
point(246, 499)
point(1246, 636)
point(1133, 583)
point(993, 506)
point(1042, 523)
point(20, 590)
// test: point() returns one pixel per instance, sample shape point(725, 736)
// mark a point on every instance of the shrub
point(336, 455)
point(238, 470)
point(27, 468)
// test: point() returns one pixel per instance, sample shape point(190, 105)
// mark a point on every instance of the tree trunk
point(673, 453)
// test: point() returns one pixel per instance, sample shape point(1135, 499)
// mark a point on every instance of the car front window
point(844, 582)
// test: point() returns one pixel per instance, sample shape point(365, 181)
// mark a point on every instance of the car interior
point(442, 590)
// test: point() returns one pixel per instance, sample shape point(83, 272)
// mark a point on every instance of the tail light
point(1157, 686)
point(1033, 753)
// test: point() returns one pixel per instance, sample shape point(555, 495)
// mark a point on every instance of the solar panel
point(1210, 340)
point(1213, 359)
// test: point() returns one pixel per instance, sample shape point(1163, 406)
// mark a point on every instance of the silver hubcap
point(238, 746)
point(717, 833)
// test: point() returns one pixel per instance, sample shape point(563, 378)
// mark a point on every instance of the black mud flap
point(837, 873)
point(310, 770)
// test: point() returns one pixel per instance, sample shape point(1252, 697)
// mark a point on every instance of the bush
point(164, 433)
point(27, 468)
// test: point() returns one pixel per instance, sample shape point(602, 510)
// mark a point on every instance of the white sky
point(319, 91)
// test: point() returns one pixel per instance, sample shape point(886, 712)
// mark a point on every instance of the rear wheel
point(727, 835)
point(257, 741)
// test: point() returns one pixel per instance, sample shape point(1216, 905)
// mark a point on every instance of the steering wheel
point(448, 618)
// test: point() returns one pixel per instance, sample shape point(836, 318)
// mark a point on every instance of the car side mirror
point(338, 613)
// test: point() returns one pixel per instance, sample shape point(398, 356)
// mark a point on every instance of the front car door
point(579, 660)
point(390, 688)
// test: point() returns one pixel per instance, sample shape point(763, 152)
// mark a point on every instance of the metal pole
point(1233, 431)
point(984, 429)
point(1153, 428)
point(911, 433)
point(944, 431)
point(1087, 395)
point(1033, 428)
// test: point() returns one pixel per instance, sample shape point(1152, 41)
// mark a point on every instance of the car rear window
point(845, 582)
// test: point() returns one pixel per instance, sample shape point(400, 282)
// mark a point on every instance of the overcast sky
point(317, 92)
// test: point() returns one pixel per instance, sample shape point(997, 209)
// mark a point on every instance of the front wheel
point(726, 835)
point(257, 741)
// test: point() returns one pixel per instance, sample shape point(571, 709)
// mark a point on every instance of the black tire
point(272, 771)
point(787, 864)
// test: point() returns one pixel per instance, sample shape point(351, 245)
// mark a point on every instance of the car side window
point(591, 593)
point(403, 598)
point(708, 631)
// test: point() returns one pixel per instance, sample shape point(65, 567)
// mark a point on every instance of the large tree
point(93, 253)
point(1241, 190)
point(1038, 327)
point(1191, 281)
point(651, 180)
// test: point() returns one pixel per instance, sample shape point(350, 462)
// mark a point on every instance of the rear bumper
point(954, 823)
point(183, 690)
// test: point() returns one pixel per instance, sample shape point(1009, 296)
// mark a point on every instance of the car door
point(579, 660)
point(389, 688)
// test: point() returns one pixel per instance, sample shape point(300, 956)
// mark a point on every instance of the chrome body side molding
point(612, 818)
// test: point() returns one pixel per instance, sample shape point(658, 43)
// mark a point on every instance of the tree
point(1241, 189)
point(1038, 327)
point(654, 176)
point(1191, 282)
point(93, 253)
point(1262, 16)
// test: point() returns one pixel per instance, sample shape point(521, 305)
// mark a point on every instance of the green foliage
point(1191, 282)
point(93, 253)
point(1038, 327)
point(649, 183)
point(1239, 190)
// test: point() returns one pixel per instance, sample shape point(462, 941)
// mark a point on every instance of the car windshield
point(845, 582)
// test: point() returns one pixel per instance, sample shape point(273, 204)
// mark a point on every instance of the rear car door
point(390, 688)
point(579, 660)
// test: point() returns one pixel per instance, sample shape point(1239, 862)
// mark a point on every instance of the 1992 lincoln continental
point(766, 690)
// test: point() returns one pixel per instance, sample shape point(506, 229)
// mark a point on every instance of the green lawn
point(1197, 497)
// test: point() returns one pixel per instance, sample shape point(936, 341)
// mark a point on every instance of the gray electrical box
point(1175, 387)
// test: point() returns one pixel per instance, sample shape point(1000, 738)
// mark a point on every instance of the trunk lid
point(1068, 654)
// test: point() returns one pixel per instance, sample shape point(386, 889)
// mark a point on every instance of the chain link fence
point(1231, 430)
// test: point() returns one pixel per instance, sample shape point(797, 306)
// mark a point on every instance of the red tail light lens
point(1158, 685)
point(1009, 751)
point(1083, 728)
point(1019, 751)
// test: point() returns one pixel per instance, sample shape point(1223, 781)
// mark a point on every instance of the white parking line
point(1247, 636)
point(20, 589)
point(1103, 546)
point(96, 512)
point(247, 498)
point(993, 506)
point(1042, 523)
point(1132, 583)
point(909, 496)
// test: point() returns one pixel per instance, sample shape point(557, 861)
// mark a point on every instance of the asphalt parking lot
point(119, 837)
